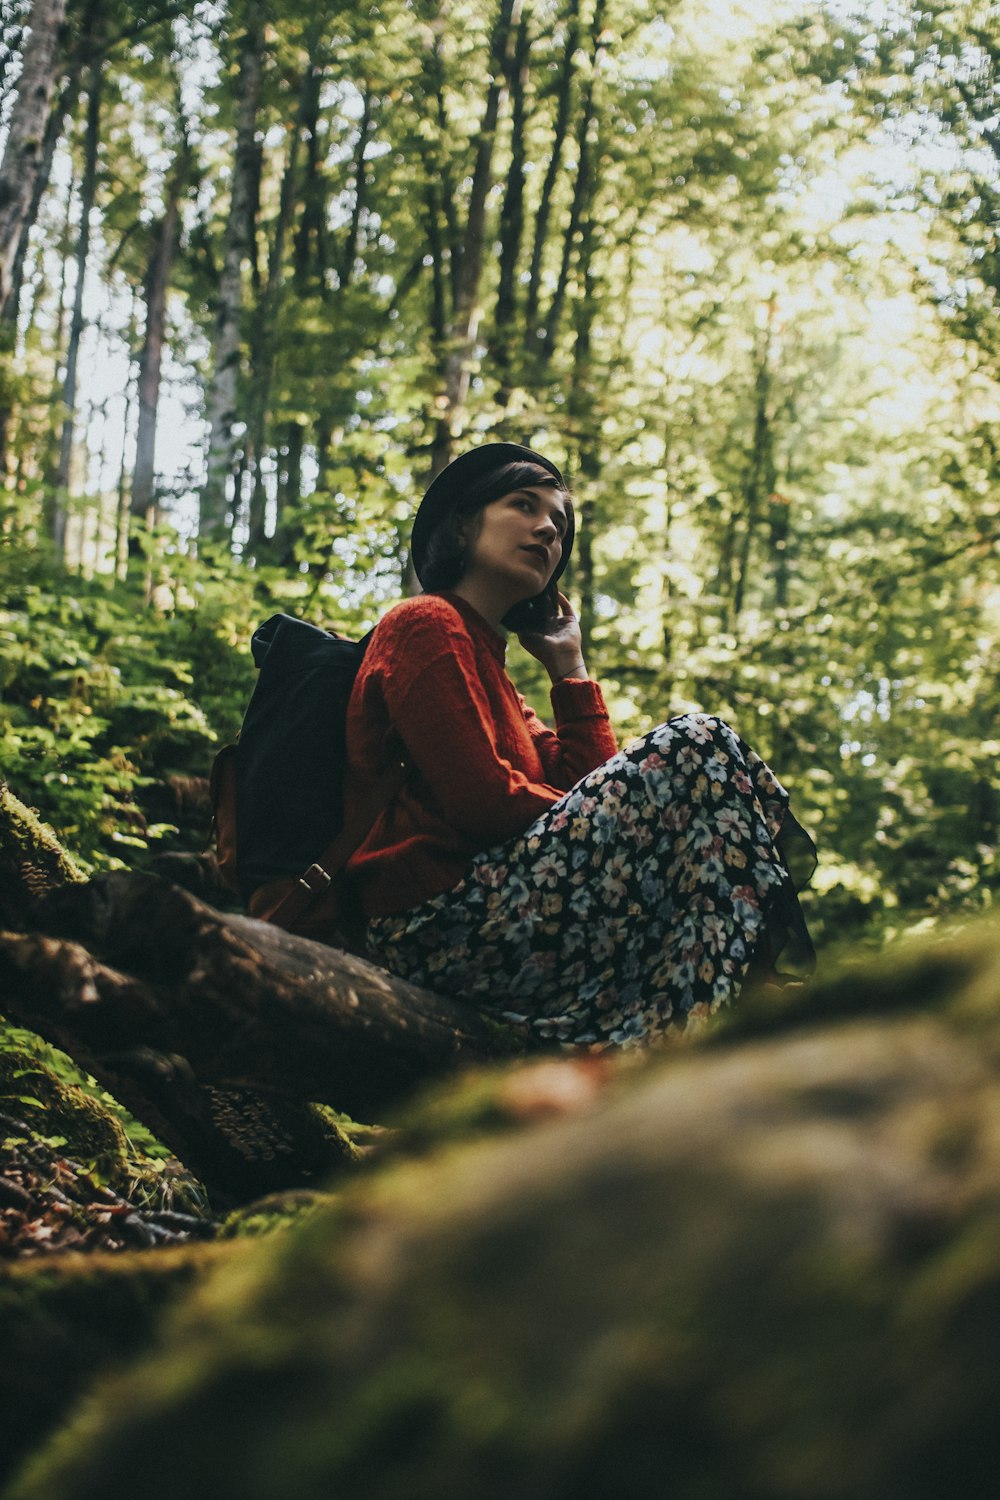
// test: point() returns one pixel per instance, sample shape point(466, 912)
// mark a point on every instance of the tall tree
point(466, 311)
point(564, 97)
point(512, 211)
point(24, 151)
point(88, 194)
point(163, 247)
point(222, 396)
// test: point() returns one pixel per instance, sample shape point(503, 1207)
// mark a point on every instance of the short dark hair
point(445, 558)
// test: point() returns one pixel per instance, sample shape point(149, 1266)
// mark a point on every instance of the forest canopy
point(264, 268)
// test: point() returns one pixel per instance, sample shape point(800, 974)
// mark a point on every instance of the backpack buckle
point(315, 879)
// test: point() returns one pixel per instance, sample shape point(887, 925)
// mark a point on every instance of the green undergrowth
point(32, 841)
point(115, 697)
point(108, 707)
point(64, 1107)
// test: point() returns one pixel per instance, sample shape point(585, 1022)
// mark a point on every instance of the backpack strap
point(321, 874)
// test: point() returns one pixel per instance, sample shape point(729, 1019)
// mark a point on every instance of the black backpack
point(277, 793)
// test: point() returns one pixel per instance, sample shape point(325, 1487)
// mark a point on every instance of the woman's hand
point(559, 646)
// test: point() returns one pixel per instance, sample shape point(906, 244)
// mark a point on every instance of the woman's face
point(517, 540)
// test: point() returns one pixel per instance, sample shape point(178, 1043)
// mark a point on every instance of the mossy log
point(32, 861)
point(765, 1267)
point(218, 1031)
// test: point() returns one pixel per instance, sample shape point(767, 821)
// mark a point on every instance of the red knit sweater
point(485, 766)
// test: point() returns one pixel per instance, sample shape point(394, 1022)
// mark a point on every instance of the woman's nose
point(546, 529)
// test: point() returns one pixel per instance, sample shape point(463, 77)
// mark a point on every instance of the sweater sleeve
point(440, 711)
point(584, 737)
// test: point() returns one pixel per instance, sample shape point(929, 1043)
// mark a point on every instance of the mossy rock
point(769, 1267)
point(67, 1319)
point(273, 1212)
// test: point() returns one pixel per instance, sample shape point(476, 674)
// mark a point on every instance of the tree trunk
point(465, 320)
point(88, 191)
point(32, 861)
point(221, 402)
point(54, 127)
point(588, 465)
point(24, 153)
point(60, 112)
point(290, 472)
point(780, 516)
point(436, 244)
point(723, 579)
point(266, 322)
point(585, 422)
point(563, 101)
point(352, 240)
point(443, 173)
point(665, 545)
point(150, 360)
point(308, 259)
point(584, 186)
point(512, 215)
point(50, 454)
point(324, 441)
point(759, 480)
point(123, 508)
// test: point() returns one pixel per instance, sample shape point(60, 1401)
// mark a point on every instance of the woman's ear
point(465, 529)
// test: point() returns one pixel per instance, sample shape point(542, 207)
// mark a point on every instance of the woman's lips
point(537, 552)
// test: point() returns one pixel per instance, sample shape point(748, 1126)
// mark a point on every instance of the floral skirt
point(631, 907)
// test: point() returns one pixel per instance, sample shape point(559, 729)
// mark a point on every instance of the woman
point(593, 895)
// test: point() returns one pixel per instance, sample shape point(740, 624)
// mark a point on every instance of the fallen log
point(218, 1031)
point(130, 960)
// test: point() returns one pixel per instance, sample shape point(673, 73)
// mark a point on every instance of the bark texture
point(459, 355)
point(221, 401)
point(88, 194)
point(158, 273)
point(23, 156)
point(564, 92)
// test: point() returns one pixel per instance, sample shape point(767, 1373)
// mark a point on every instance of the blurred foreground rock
point(767, 1267)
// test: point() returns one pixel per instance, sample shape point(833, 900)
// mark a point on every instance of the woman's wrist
point(577, 670)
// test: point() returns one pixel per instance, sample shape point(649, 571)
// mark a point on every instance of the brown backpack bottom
point(332, 918)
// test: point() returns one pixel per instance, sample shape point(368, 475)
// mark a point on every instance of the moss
point(504, 1040)
point(65, 1115)
point(353, 1142)
point(273, 1212)
point(67, 1319)
point(60, 1104)
point(32, 860)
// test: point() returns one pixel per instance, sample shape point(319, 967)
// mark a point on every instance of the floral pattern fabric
point(631, 907)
